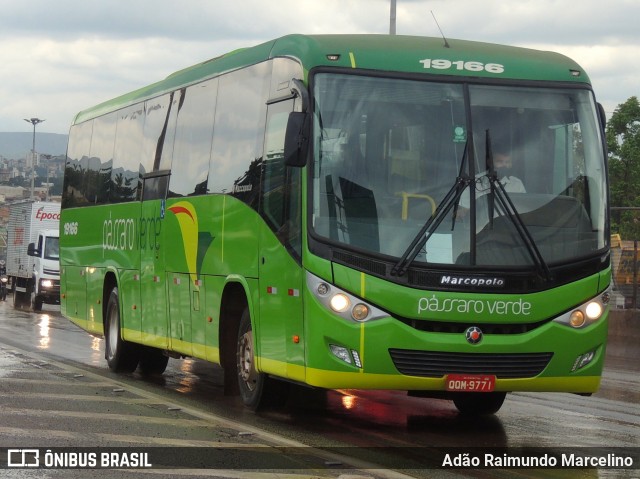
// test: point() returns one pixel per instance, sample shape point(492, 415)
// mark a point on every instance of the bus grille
point(434, 364)
point(430, 326)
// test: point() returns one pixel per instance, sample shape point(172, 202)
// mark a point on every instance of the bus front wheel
point(251, 382)
point(479, 403)
point(122, 356)
point(256, 389)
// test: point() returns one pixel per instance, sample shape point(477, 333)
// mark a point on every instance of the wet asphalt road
point(48, 349)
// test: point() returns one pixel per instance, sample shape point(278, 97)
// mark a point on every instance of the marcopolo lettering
point(242, 188)
point(472, 281)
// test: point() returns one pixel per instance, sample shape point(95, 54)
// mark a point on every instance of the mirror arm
point(301, 91)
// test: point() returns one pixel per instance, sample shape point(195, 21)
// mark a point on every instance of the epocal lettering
point(471, 281)
point(43, 215)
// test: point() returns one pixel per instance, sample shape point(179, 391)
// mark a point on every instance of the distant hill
point(17, 145)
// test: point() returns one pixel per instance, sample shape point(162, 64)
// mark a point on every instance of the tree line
point(623, 143)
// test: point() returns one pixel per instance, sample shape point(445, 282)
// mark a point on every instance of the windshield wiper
point(498, 191)
point(450, 201)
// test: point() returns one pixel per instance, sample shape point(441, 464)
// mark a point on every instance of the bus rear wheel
point(152, 361)
point(479, 403)
point(122, 356)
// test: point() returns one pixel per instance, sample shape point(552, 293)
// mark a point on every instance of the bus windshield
point(518, 172)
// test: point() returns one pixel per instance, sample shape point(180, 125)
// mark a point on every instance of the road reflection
point(187, 379)
point(45, 339)
point(373, 418)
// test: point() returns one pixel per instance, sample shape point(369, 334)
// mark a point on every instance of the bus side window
point(155, 187)
point(125, 171)
point(281, 185)
point(76, 165)
point(193, 137)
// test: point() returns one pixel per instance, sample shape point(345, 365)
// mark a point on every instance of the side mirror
point(296, 141)
point(32, 251)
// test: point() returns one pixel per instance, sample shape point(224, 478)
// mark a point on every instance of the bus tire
point(256, 389)
point(250, 381)
point(152, 361)
point(122, 356)
point(479, 403)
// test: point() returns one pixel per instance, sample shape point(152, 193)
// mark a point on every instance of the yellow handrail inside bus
point(405, 202)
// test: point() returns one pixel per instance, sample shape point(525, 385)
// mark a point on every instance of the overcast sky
point(58, 57)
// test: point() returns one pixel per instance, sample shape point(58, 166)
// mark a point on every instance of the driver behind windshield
point(503, 165)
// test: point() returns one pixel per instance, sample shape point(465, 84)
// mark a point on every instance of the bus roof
point(392, 53)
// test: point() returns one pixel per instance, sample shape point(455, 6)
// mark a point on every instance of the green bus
point(348, 211)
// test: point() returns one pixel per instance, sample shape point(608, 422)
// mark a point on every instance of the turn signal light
point(576, 319)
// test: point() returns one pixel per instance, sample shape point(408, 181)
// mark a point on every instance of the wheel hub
point(246, 368)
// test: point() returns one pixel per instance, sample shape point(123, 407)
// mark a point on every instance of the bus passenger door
point(281, 328)
point(154, 329)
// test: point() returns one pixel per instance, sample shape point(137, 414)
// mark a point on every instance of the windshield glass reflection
point(389, 151)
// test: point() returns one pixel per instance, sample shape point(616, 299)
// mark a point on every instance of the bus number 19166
point(461, 65)
point(71, 228)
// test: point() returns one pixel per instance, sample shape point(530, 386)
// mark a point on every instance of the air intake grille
point(369, 265)
point(435, 364)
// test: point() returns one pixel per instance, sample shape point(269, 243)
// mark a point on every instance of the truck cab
point(45, 285)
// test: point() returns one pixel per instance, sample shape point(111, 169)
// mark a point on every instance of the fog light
point(582, 360)
point(577, 319)
point(360, 312)
point(339, 303)
point(593, 310)
point(340, 353)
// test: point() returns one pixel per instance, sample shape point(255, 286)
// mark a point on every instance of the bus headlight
point(342, 303)
point(46, 283)
point(576, 319)
point(360, 312)
point(593, 310)
point(586, 313)
point(339, 302)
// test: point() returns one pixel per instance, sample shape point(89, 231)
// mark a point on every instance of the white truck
point(33, 261)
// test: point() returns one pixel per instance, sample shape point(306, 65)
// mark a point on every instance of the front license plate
point(467, 382)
